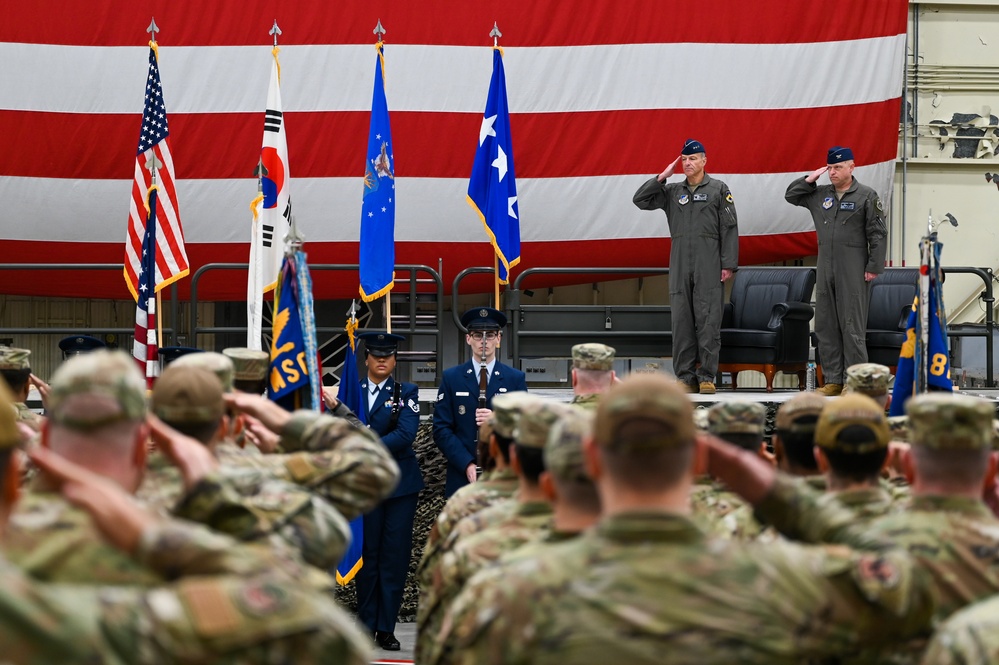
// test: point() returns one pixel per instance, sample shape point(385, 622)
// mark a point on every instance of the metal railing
point(411, 316)
point(986, 275)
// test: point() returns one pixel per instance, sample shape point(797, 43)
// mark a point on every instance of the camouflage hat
point(802, 404)
point(868, 379)
point(845, 412)
point(216, 363)
point(186, 395)
point(248, 364)
point(737, 417)
point(11, 358)
point(10, 437)
point(506, 411)
point(564, 447)
point(650, 397)
point(536, 419)
point(948, 421)
point(96, 389)
point(593, 356)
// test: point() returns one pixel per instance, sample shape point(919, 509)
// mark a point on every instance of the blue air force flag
point(377, 247)
point(350, 394)
point(492, 189)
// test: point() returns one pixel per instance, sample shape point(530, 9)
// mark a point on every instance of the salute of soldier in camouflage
point(502, 528)
point(718, 511)
point(852, 438)
point(968, 637)
point(946, 527)
point(646, 581)
point(15, 369)
point(592, 373)
point(234, 604)
point(869, 379)
point(190, 399)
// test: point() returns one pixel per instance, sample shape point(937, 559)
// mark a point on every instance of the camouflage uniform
point(720, 512)
point(968, 637)
point(596, 357)
point(237, 604)
point(952, 537)
point(521, 522)
point(564, 461)
point(18, 359)
point(605, 596)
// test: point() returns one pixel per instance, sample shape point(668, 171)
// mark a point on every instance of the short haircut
point(503, 443)
point(955, 469)
point(253, 386)
point(744, 440)
point(16, 378)
point(581, 495)
point(799, 447)
point(858, 468)
point(647, 469)
point(532, 462)
point(203, 432)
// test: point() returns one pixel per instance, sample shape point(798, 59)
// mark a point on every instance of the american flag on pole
point(145, 349)
point(171, 255)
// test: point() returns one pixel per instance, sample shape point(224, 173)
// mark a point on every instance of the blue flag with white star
point(492, 189)
point(377, 247)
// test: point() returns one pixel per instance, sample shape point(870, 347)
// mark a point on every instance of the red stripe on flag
point(523, 22)
point(231, 284)
point(440, 145)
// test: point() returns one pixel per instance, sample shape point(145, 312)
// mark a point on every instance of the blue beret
point(691, 147)
point(381, 344)
point(77, 344)
point(483, 318)
point(838, 154)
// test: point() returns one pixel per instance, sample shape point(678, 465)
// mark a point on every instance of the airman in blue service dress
point(456, 411)
point(392, 410)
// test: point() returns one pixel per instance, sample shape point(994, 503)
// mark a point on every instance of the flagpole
point(496, 273)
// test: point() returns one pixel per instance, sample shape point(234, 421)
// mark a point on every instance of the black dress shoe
point(387, 641)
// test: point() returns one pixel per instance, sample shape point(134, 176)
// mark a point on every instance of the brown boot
point(707, 388)
point(830, 389)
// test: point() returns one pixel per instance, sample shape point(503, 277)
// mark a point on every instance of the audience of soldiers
point(197, 523)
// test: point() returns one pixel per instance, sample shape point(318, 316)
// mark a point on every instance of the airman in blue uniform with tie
point(457, 414)
point(392, 410)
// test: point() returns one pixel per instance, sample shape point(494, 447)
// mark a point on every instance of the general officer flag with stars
point(350, 394)
point(377, 247)
point(492, 189)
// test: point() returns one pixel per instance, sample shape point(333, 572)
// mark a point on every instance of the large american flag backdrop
point(602, 95)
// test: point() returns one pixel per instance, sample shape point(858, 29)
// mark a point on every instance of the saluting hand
point(814, 175)
point(669, 169)
point(189, 455)
point(267, 412)
point(114, 512)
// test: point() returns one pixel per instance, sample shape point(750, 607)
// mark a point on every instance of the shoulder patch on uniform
point(440, 396)
point(414, 406)
point(880, 206)
point(728, 197)
point(299, 467)
point(212, 611)
point(262, 599)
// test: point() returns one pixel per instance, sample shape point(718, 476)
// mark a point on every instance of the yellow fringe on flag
point(156, 49)
point(274, 52)
point(351, 328)
point(253, 206)
point(500, 49)
point(148, 193)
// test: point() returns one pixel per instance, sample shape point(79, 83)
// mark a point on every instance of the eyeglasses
point(478, 336)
